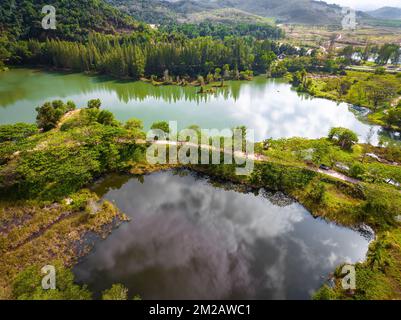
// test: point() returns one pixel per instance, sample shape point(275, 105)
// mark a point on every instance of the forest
point(107, 41)
point(21, 19)
point(138, 55)
point(219, 30)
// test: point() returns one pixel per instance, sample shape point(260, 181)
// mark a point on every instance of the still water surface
point(189, 239)
point(268, 106)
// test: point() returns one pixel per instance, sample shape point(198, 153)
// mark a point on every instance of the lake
point(192, 239)
point(269, 106)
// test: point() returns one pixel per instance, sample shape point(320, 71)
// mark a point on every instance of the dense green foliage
point(162, 126)
point(94, 104)
point(27, 286)
point(364, 89)
point(134, 124)
point(149, 11)
point(220, 30)
point(182, 49)
point(135, 56)
point(75, 19)
point(185, 50)
point(57, 163)
point(329, 63)
point(311, 63)
point(381, 93)
point(393, 117)
point(344, 137)
point(116, 292)
point(16, 132)
point(50, 113)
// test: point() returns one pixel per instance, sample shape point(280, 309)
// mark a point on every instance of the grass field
point(322, 35)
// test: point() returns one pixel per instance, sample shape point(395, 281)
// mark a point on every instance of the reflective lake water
point(190, 239)
point(270, 107)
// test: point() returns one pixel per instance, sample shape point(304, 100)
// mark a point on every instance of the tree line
point(260, 31)
point(134, 56)
point(381, 55)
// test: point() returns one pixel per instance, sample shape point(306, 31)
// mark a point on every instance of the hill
point(307, 12)
point(386, 13)
point(227, 15)
point(149, 11)
point(188, 11)
point(286, 11)
point(75, 19)
point(290, 11)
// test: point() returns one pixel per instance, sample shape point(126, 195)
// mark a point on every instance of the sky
point(367, 4)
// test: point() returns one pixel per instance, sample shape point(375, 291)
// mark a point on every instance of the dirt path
point(336, 175)
point(257, 157)
point(67, 116)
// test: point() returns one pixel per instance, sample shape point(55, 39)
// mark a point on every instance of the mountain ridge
point(386, 13)
point(285, 11)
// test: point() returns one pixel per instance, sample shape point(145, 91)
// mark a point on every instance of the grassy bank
point(35, 233)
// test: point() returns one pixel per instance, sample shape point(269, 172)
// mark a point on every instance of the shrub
point(106, 118)
point(325, 293)
point(393, 116)
point(345, 137)
point(278, 71)
point(71, 105)
point(161, 125)
point(50, 113)
point(91, 115)
point(317, 192)
point(94, 104)
point(380, 70)
point(116, 292)
point(16, 132)
point(27, 286)
point(134, 123)
point(381, 206)
point(357, 170)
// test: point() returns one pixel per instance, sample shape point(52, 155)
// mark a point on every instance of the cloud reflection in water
point(190, 240)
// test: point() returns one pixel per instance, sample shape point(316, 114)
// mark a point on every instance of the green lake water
point(270, 107)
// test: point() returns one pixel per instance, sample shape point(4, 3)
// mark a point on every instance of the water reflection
point(190, 240)
point(270, 107)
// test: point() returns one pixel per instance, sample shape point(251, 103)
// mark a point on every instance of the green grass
point(383, 23)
